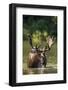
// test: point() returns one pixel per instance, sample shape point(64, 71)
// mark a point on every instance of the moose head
point(37, 55)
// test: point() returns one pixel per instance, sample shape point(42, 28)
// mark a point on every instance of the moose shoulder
point(34, 59)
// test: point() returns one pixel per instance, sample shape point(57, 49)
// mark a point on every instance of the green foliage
point(26, 50)
point(40, 23)
point(25, 34)
point(36, 37)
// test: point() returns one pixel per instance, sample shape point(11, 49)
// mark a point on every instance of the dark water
point(47, 70)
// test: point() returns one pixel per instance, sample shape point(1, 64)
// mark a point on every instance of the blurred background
point(39, 28)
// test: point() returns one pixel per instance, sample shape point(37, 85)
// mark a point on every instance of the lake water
point(49, 69)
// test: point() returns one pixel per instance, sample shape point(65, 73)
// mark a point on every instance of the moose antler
point(50, 41)
point(30, 40)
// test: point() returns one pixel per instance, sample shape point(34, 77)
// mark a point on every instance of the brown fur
point(34, 59)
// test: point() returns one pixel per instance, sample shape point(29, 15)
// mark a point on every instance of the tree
point(42, 24)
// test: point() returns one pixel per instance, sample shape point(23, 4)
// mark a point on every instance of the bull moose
point(37, 56)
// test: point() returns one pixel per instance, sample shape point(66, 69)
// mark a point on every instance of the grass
point(52, 57)
point(26, 50)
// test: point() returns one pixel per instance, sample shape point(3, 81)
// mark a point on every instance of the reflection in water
point(36, 71)
point(47, 70)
